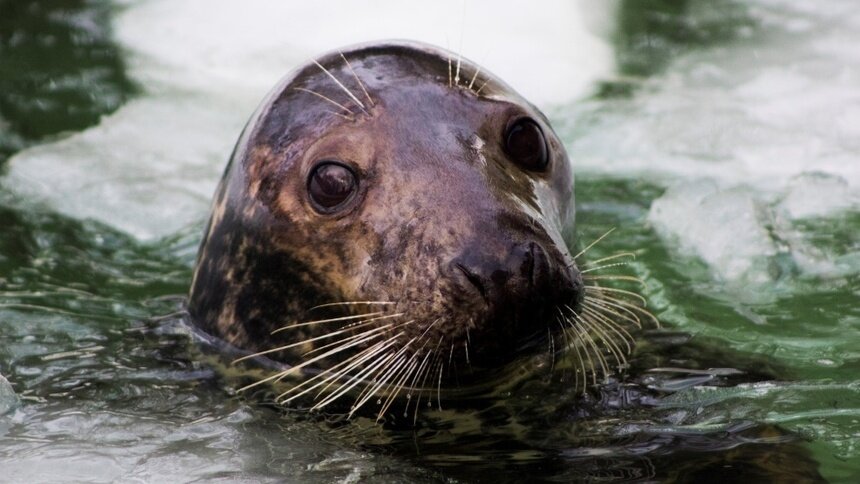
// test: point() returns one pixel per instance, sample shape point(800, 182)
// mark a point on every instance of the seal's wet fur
point(464, 243)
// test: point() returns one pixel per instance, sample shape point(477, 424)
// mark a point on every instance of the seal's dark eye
point(331, 184)
point(525, 144)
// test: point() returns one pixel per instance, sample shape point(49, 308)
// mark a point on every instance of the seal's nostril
point(474, 279)
point(538, 266)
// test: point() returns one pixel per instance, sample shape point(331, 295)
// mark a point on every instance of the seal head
point(413, 200)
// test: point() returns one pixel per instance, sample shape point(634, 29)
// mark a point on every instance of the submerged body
point(392, 214)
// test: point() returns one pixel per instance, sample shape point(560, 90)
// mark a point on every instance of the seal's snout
point(520, 288)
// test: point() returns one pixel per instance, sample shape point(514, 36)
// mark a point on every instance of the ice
point(724, 227)
point(151, 167)
point(817, 195)
point(8, 399)
point(749, 137)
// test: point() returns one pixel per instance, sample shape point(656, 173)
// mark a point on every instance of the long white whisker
point(347, 91)
point(593, 243)
point(349, 364)
point(300, 343)
point(611, 257)
point(325, 98)
point(607, 266)
point(601, 289)
point(351, 303)
point(604, 306)
point(358, 79)
point(330, 320)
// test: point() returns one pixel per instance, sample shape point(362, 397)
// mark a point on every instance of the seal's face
point(420, 198)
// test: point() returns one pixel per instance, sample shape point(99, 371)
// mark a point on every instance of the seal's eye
point(525, 144)
point(330, 185)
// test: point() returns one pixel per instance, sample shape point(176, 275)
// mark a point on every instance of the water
point(723, 146)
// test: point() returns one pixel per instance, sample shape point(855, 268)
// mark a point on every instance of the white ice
point(749, 136)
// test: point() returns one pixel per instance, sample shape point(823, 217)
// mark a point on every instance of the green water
point(109, 386)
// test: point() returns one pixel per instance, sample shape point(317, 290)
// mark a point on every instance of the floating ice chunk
point(724, 228)
point(145, 170)
point(748, 236)
point(8, 399)
point(818, 195)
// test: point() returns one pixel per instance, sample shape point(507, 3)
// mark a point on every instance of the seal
point(393, 213)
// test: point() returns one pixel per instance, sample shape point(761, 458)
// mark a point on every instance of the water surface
point(723, 147)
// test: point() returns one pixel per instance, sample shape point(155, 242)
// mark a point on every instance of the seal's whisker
point(600, 358)
point(281, 375)
point(457, 73)
point(422, 372)
point(607, 266)
point(592, 368)
point(600, 289)
point(377, 332)
point(395, 361)
point(478, 92)
point(603, 337)
point(286, 396)
point(298, 343)
point(374, 384)
point(581, 371)
point(351, 303)
point(389, 373)
point(357, 361)
point(358, 324)
point(327, 99)
point(622, 333)
point(562, 320)
point(611, 257)
point(551, 339)
point(614, 277)
point(335, 372)
point(329, 320)
point(618, 355)
point(357, 79)
point(429, 372)
point(439, 386)
point(603, 306)
point(344, 88)
point(351, 363)
point(627, 304)
point(345, 329)
point(466, 346)
point(398, 387)
point(472, 82)
point(359, 376)
point(587, 248)
point(592, 347)
point(378, 329)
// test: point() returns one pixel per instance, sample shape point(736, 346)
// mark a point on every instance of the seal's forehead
point(345, 85)
point(354, 74)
